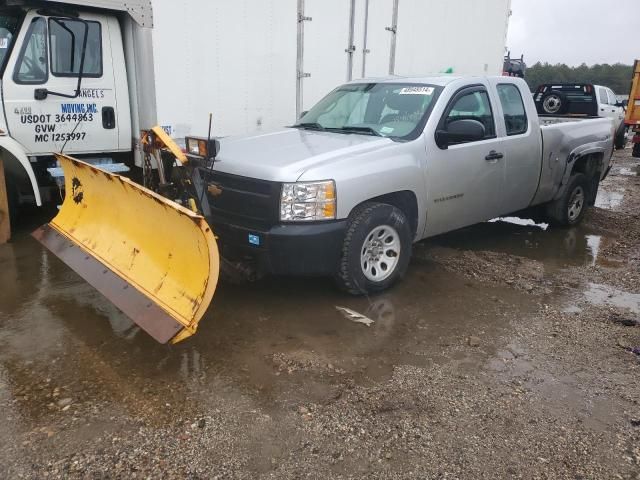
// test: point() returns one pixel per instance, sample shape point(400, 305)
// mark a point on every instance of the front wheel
point(376, 249)
point(569, 209)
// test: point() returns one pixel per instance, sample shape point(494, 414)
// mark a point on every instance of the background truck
point(582, 100)
point(88, 76)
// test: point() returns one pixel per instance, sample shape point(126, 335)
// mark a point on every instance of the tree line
point(617, 76)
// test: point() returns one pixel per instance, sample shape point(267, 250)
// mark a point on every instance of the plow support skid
point(154, 259)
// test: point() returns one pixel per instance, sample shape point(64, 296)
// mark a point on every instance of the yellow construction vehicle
point(632, 117)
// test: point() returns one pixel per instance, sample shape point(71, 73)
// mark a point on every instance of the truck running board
point(152, 258)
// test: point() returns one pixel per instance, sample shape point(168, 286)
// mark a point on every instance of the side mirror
point(442, 139)
point(460, 131)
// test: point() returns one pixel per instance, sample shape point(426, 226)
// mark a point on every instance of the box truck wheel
point(636, 150)
point(376, 249)
point(13, 198)
point(569, 209)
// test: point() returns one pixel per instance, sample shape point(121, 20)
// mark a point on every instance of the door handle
point(108, 118)
point(493, 155)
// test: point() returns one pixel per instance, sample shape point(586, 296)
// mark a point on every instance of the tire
point(569, 209)
point(636, 150)
point(554, 103)
point(620, 141)
point(365, 265)
point(13, 197)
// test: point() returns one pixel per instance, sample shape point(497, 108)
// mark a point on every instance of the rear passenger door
point(465, 180)
point(521, 144)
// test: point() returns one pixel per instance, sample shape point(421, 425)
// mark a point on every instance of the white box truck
point(85, 76)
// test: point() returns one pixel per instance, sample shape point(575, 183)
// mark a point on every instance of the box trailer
point(85, 77)
point(258, 64)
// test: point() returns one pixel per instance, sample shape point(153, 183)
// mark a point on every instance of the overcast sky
point(575, 31)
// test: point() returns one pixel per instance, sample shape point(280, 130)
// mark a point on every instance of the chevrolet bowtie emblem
point(214, 190)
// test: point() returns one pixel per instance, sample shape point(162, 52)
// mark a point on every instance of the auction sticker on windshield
point(417, 91)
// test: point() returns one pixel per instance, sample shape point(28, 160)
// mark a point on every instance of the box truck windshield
point(9, 24)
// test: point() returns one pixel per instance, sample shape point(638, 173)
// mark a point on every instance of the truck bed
point(552, 120)
point(563, 137)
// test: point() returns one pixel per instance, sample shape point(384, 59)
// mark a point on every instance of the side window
point(66, 38)
point(474, 106)
point(515, 117)
point(602, 93)
point(31, 67)
point(612, 97)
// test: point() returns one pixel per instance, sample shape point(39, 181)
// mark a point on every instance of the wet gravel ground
point(506, 353)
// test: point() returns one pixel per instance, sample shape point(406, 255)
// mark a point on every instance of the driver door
point(465, 180)
point(47, 56)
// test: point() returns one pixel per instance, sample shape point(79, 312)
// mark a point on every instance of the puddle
point(593, 243)
point(609, 200)
point(555, 247)
point(630, 171)
point(281, 337)
point(599, 294)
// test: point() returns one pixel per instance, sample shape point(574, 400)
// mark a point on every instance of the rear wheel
point(621, 138)
point(376, 249)
point(636, 150)
point(569, 209)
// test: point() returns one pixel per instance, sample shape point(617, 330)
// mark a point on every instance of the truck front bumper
point(288, 249)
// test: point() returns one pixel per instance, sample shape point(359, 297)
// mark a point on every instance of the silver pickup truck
point(380, 164)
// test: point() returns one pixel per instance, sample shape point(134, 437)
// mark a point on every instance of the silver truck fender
point(16, 155)
point(572, 158)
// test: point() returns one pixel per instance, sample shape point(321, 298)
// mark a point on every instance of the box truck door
point(44, 111)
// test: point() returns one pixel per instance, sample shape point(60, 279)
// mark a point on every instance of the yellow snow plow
point(155, 260)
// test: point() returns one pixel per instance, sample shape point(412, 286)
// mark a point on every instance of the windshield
point(9, 23)
point(383, 109)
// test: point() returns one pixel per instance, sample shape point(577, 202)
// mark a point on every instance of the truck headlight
point(308, 201)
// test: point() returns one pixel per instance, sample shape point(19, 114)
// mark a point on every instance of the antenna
point(209, 135)
point(209, 163)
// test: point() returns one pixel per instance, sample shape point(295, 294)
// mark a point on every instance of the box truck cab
point(64, 88)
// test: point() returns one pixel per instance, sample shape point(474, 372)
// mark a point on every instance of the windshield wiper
point(364, 130)
point(309, 126)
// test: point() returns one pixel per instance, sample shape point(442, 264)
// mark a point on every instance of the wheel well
point(588, 164)
point(591, 166)
point(405, 201)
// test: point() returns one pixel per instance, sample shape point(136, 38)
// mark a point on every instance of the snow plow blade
point(155, 260)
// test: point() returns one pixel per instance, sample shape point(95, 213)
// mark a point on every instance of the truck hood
point(284, 155)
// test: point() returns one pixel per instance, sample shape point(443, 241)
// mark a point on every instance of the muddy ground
point(506, 353)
